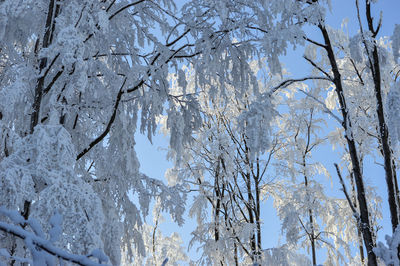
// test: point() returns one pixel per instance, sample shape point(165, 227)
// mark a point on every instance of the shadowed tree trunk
point(355, 204)
point(366, 228)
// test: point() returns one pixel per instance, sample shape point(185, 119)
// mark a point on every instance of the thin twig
point(288, 82)
point(317, 67)
point(125, 7)
point(326, 109)
point(355, 213)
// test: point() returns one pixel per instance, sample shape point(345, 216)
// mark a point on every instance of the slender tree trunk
point(396, 185)
point(312, 238)
point(154, 238)
point(383, 129)
point(219, 194)
point(53, 10)
point(235, 255)
point(355, 204)
point(250, 207)
point(311, 220)
point(363, 206)
point(390, 175)
point(217, 209)
point(311, 234)
point(257, 214)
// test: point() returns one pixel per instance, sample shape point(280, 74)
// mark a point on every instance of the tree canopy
point(79, 78)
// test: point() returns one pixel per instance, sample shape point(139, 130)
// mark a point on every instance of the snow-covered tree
point(159, 248)
point(350, 89)
point(78, 77)
point(228, 172)
point(74, 75)
point(309, 217)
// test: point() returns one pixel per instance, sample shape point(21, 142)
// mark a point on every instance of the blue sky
point(153, 157)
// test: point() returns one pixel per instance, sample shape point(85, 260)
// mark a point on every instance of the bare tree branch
point(318, 67)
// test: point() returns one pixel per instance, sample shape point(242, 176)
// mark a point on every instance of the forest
point(273, 110)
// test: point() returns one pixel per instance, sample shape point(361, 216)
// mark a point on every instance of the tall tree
point(374, 60)
point(309, 216)
point(229, 175)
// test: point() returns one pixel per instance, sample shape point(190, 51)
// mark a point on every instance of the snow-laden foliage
point(41, 171)
point(310, 218)
point(41, 245)
point(160, 248)
point(388, 253)
point(219, 163)
point(80, 69)
point(94, 67)
point(284, 256)
point(78, 77)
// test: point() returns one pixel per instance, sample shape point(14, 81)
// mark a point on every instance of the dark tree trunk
point(390, 175)
point(52, 13)
point(235, 255)
point(47, 38)
point(311, 235)
point(311, 220)
point(363, 206)
point(383, 129)
point(250, 207)
point(217, 208)
point(257, 216)
point(355, 204)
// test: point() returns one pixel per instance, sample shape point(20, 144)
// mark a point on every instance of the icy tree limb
point(46, 245)
point(109, 124)
point(318, 67)
point(355, 213)
point(288, 82)
point(326, 109)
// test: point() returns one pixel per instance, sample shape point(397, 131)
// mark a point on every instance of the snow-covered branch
point(326, 109)
point(289, 82)
point(36, 243)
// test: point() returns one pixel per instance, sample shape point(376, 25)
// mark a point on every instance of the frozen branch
point(46, 245)
point(326, 109)
point(39, 243)
point(355, 213)
point(318, 67)
point(125, 7)
point(109, 124)
point(289, 82)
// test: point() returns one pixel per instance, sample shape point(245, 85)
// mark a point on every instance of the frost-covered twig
point(355, 213)
point(318, 67)
point(326, 109)
point(288, 82)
